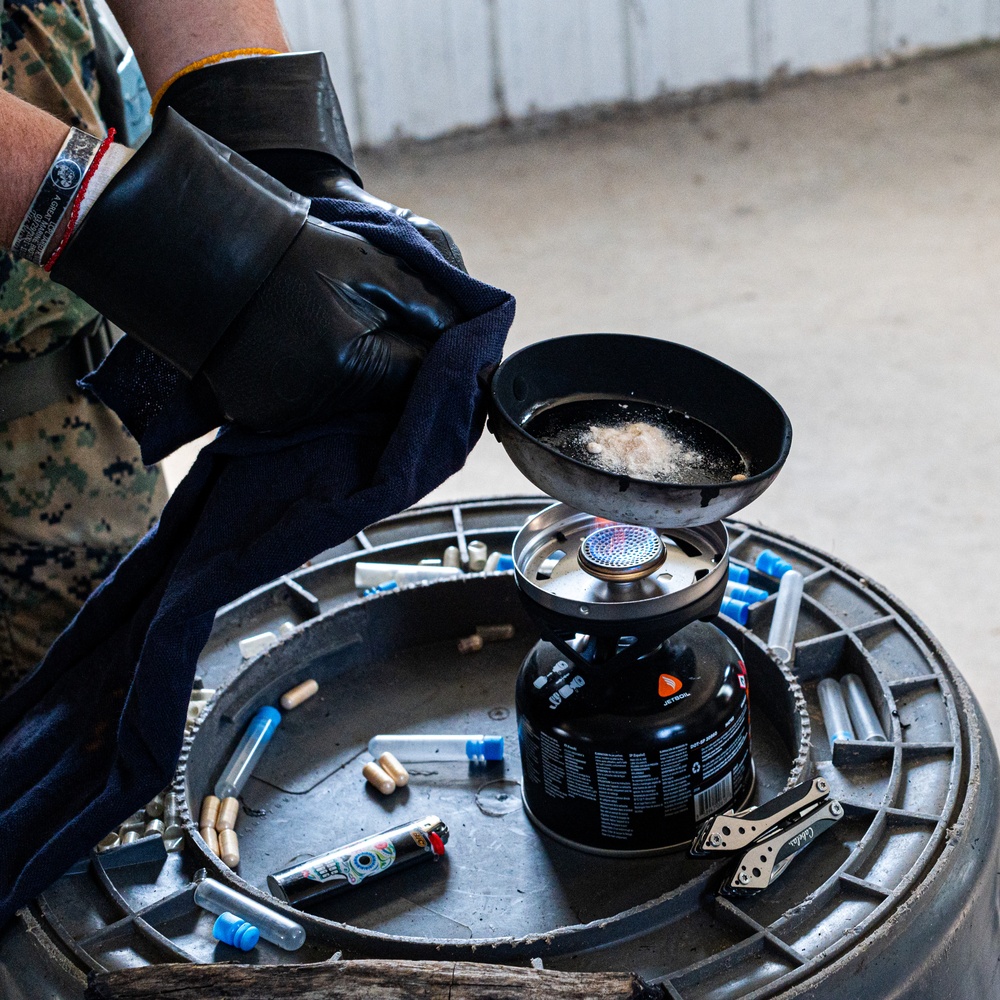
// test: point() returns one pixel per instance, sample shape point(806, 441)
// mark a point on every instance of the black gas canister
point(629, 755)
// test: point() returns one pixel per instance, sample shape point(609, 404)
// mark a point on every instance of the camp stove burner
point(621, 553)
point(575, 569)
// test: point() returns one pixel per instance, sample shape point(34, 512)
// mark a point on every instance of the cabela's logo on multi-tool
point(802, 838)
point(65, 174)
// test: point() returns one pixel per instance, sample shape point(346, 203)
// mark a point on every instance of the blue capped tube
point(218, 898)
point(244, 760)
point(746, 593)
point(739, 611)
point(738, 574)
point(414, 749)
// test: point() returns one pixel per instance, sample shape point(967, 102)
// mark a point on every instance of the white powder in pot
point(639, 450)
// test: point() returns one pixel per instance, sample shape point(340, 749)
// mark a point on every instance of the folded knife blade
point(732, 831)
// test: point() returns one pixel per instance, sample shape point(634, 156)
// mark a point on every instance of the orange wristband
point(207, 61)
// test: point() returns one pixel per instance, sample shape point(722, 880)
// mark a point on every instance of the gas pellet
point(298, 694)
point(154, 826)
point(171, 821)
point(394, 769)
point(470, 644)
point(478, 554)
point(493, 562)
point(211, 838)
point(176, 844)
point(154, 809)
point(209, 811)
point(378, 778)
point(129, 837)
point(452, 557)
point(495, 633)
point(229, 848)
point(111, 840)
point(229, 810)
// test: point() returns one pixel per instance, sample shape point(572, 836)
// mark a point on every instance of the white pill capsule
point(298, 694)
point(378, 778)
point(394, 769)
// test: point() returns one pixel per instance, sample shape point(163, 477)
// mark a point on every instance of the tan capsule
point(470, 644)
point(229, 810)
point(229, 848)
point(298, 694)
point(211, 838)
point(209, 811)
point(738, 478)
point(495, 633)
point(394, 769)
point(377, 778)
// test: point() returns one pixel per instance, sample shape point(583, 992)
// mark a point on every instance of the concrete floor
point(838, 241)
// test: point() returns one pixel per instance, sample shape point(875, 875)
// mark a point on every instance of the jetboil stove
point(633, 709)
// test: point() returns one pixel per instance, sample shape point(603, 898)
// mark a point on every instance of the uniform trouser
point(74, 498)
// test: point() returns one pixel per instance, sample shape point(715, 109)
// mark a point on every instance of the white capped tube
point(368, 574)
point(412, 749)
point(781, 638)
point(866, 722)
point(218, 898)
point(834, 709)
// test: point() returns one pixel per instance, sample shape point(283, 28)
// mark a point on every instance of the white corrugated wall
point(423, 68)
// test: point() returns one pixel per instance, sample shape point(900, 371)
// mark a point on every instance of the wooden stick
point(370, 979)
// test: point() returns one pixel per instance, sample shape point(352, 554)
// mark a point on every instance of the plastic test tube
point(834, 709)
point(781, 638)
point(435, 747)
point(218, 898)
point(370, 574)
point(244, 760)
point(866, 723)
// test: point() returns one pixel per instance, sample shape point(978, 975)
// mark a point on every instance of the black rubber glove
point(282, 114)
point(217, 267)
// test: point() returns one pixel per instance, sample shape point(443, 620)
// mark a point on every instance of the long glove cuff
point(179, 241)
point(283, 102)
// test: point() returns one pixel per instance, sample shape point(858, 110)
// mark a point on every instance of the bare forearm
point(30, 139)
point(168, 35)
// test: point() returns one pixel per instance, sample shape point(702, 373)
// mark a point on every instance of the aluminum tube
point(781, 638)
point(866, 722)
point(834, 709)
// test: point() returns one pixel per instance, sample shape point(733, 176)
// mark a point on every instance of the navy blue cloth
point(95, 732)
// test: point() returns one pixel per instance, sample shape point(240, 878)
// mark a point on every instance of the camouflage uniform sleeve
point(74, 495)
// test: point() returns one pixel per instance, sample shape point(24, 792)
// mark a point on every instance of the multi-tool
point(768, 836)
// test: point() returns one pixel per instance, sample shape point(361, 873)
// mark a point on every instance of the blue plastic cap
point(739, 611)
point(505, 563)
point(233, 930)
point(268, 714)
point(738, 574)
point(772, 564)
point(381, 588)
point(743, 592)
point(488, 748)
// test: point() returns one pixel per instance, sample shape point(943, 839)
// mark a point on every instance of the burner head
point(621, 553)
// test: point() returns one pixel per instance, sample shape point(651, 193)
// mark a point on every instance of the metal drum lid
point(584, 566)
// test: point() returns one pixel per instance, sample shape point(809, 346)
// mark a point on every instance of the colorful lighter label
point(355, 867)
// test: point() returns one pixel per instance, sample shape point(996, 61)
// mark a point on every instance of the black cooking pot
point(617, 366)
